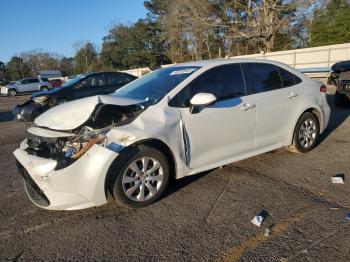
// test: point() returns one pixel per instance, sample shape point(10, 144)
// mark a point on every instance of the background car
point(80, 86)
point(27, 85)
point(340, 77)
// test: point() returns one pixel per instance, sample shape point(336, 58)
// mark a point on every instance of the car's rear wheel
point(44, 88)
point(341, 99)
point(306, 133)
point(12, 92)
point(141, 175)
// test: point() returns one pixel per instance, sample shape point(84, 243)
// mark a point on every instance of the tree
point(16, 69)
point(2, 69)
point(199, 29)
point(38, 60)
point(67, 66)
point(331, 25)
point(133, 46)
point(85, 56)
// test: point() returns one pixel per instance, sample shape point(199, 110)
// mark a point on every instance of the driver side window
point(225, 82)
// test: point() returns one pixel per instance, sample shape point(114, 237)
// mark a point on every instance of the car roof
point(215, 62)
point(207, 64)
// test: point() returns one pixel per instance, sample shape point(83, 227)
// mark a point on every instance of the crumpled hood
point(48, 92)
point(71, 115)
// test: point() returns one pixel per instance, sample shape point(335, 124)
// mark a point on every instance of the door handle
point(292, 95)
point(247, 106)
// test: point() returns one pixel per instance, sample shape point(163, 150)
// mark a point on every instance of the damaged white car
point(174, 122)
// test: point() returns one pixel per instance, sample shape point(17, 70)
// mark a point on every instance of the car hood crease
point(71, 115)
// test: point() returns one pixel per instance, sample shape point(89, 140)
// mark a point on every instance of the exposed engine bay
point(69, 146)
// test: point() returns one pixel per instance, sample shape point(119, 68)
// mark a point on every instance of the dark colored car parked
point(80, 86)
point(340, 77)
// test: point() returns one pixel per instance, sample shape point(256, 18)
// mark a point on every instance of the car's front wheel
point(12, 92)
point(306, 133)
point(141, 175)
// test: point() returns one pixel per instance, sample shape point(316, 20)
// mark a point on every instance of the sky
point(55, 25)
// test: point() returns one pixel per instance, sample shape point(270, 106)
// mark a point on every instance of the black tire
point(297, 145)
point(339, 99)
point(44, 88)
point(61, 101)
point(12, 92)
point(120, 168)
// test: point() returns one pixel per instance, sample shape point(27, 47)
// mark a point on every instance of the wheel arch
point(164, 148)
point(14, 88)
point(313, 110)
point(151, 142)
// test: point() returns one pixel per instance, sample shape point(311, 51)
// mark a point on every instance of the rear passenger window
point(263, 77)
point(288, 79)
point(33, 80)
point(117, 79)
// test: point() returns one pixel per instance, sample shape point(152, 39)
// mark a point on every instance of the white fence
point(314, 57)
point(314, 61)
point(138, 72)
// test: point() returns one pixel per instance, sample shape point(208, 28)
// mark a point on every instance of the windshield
point(73, 80)
point(154, 86)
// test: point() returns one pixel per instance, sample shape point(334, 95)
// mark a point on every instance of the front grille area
point(34, 192)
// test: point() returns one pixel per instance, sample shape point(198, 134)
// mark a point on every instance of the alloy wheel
point(307, 133)
point(142, 179)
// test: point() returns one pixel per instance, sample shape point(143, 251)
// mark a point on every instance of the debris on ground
point(259, 218)
point(348, 216)
point(268, 230)
point(338, 179)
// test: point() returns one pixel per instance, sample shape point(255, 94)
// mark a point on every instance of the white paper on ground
point(257, 220)
point(337, 180)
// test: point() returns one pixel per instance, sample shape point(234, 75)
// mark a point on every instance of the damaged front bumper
point(77, 186)
point(26, 112)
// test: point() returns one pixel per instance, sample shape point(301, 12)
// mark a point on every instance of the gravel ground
point(202, 218)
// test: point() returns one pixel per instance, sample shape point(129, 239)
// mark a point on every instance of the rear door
point(28, 85)
point(224, 130)
point(33, 84)
point(276, 102)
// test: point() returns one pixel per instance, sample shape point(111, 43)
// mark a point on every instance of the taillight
point(323, 89)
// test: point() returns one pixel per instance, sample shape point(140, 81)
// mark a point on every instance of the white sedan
point(174, 122)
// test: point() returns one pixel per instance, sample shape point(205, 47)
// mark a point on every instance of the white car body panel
point(77, 112)
point(219, 141)
point(219, 134)
point(80, 185)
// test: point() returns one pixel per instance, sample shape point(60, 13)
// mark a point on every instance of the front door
point(225, 130)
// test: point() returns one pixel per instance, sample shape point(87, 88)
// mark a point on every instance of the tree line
point(182, 30)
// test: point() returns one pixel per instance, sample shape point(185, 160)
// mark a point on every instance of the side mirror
point(200, 100)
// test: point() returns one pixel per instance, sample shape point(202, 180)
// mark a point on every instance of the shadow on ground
point(337, 117)
point(6, 116)
point(176, 185)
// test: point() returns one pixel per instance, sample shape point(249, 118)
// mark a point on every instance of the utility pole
point(20, 62)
